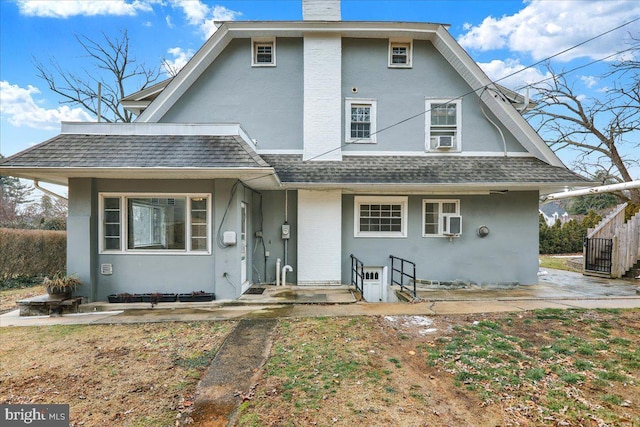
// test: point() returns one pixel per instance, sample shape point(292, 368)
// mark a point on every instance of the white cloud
point(589, 81)
point(203, 16)
point(544, 28)
point(503, 73)
point(19, 108)
point(68, 8)
point(180, 59)
point(169, 22)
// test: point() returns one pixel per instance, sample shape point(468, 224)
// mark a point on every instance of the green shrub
point(31, 253)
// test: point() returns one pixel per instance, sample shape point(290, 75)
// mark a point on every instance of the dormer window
point(400, 54)
point(263, 52)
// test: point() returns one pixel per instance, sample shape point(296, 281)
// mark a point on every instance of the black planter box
point(159, 297)
point(119, 298)
point(196, 297)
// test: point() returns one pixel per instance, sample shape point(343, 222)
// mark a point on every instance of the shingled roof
point(138, 151)
point(291, 169)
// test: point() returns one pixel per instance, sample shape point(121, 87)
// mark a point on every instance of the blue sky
point(503, 36)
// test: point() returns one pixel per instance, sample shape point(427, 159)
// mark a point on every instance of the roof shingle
point(138, 151)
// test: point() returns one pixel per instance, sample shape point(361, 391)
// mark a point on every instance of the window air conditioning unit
point(443, 141)
point(454, 225)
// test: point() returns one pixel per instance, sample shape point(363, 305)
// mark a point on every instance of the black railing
point(357, 274)
point(408, 272)
point(597, 255)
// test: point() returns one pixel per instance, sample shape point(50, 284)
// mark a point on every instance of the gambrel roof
point(437, 34)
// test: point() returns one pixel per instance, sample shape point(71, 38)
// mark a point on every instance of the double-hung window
point(443, 124)
point(138, 223)
point(380, 216)
point(360, 120)
point(263, 52)
point(437, 217)
point(400, 53)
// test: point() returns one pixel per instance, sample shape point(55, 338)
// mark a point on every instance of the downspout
point(36, 184)
point(504, 141)
point(286, 218)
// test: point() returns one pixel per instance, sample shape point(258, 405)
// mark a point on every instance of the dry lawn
point(9, 297)
point(110, 375)
point(543, 368)
point(540, 368)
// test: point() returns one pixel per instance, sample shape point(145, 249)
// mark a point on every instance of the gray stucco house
point(304, 141)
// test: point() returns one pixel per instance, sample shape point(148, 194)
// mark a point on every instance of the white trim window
point(263, 52)
point(443, 125)
point(155, 223)
point(400, 53)
point(435, 215)
point(380, 216)
point(360, 120)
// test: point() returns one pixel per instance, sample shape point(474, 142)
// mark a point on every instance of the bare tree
point(113, 65)
point(598, 129)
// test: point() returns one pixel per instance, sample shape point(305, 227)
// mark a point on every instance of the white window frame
point(124, 235)
point(368, 102)
point(441, 216)
point(408, 43)
point(403, 201)
point(458, 127)
point(255, 43)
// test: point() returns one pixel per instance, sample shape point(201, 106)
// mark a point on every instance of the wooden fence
point(625, 236)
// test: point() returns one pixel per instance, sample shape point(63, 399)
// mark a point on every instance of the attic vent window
point(263, 52)
point(400, 54)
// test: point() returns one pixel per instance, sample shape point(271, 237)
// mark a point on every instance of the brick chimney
point(321, 10)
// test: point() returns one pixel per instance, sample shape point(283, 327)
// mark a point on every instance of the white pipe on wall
point(284, 274)
point(278, 261)
point(593, 190)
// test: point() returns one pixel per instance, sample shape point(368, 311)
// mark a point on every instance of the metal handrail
point(402, 273)
point(357, 272)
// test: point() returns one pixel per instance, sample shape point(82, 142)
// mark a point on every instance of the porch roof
point(130, 156)
point(420, 173)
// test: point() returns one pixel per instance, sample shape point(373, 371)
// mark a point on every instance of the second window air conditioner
point(445, 141)
point(453, 225)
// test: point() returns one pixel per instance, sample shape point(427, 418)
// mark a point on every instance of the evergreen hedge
point(565, 238)
point(31, 253)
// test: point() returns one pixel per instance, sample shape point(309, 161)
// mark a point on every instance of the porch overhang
point(543, 188)
point(258, 178)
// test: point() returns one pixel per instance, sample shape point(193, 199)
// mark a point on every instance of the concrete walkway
point(556, 289)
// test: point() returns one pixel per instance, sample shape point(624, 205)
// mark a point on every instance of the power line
point(487, 85)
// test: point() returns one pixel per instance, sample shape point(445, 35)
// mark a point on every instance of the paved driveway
point(552, 284)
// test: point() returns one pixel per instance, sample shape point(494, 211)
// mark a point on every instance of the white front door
point(243, 247)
